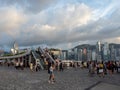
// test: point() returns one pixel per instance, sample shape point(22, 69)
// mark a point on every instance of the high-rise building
point(75, 53)
point(89, 55)
point(93, 55)
point(106, 51)
point(117, 54)
point(70, 54)
point(64, 55)
point(99, 46)
point(84, 56)
point(80, 55)
point(99, 51)
point(112, 52)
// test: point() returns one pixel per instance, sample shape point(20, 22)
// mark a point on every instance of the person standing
point(21, 65)
point(49, 64)
point(61, 66)
point(97, 68)
point(16, 64)
point(31, 66)
point(91, 68)
point(110, 67)
point(52, 76)
point(101, 69)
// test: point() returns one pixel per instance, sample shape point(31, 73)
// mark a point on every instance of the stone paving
point(105, 86)
point(69, 79)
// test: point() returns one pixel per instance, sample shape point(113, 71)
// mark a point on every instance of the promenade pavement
point(69, 79)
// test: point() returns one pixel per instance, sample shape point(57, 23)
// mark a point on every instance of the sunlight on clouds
point(110, 40)
point(43, 28)
point(48, 27)
point(60, 19)
point(59, 23)
point(118, 40)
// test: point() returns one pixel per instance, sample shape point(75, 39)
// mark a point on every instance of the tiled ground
point(69, 79)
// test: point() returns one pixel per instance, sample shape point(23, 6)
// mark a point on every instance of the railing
point(37, 59)
point(15, 56)
point(47, 55)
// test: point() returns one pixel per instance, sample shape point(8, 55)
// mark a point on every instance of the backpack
point(101, 65)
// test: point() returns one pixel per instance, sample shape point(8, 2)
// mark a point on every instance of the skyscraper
point(75, 53)
point(99, 50)
point(106, 51)
point(93, 55)
point(80, 54)
point(112, 52)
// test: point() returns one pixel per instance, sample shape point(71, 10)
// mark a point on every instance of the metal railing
point(15, 56)
point(37, 59)
point(47, 55)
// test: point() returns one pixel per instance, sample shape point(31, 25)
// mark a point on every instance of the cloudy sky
point(58, 23)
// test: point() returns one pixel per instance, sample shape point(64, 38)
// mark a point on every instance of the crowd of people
point(101, 68)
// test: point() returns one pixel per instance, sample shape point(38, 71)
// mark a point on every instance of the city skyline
point(84, 45)
point(86, 52)
point(59, 23)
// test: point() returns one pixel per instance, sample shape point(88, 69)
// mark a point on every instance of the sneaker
point(49, 81)
point(52, 82)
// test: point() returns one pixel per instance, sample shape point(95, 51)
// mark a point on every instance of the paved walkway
point(69, 79)
point(105, 86)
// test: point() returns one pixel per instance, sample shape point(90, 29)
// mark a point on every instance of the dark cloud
point(29, 6)
point(57, 26)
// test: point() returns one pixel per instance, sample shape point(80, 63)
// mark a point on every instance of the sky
point(60, 24)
